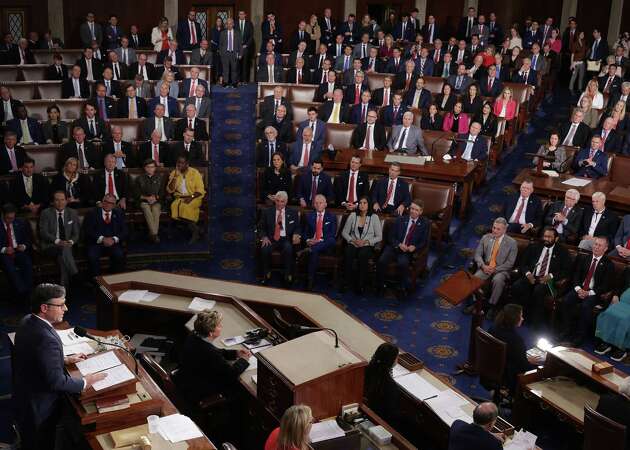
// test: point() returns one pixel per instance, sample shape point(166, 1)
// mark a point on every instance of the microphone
point(443, 137)
point(82, 332)
point(295, 328)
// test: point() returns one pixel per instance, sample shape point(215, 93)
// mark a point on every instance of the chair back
point(161, 377)
point(490, 355)
point(602, 432)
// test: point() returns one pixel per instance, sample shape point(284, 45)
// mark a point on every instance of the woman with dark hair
point(55, 130)
point(487, 120)
point(472, 101)
point(275, 178)
point(446, 99)
point(215, 35)
point(432, 120)
point(456, 120)
point(361, 232)
point(380, 389)
point(504, 329)
point(552, 148)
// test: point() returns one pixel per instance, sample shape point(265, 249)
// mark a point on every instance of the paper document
point(132, 295)
point(551, 173)
point(115, 375)
point(417, 386)
point(177, 428)
point(201, 304)
point(399, 371)
point(81, 347)
point(11, 337)
point(230, 341)
point(522, 440)
point(253, 362)
point(98, 363)
point(446, 399)
point(68, 337)
point(323, 431)
point(149, 297)
point(577, 182)
point(260, 349)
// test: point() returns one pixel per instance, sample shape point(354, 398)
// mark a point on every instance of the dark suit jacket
point(111, 38)
point(388, 118)
point(183, 34)
point(267, 224)
point(40, 378)
point(322, 90)
point(532, 80)
point(52, 74)
point(574, 220)
point(423, 103)
point(101, 132)
point(200, 129)
point(438, 70)
point(378, 64)
point(326, 110)
point(186, 86)
point(350, 93)
point(263, 152)
point(361, 185)
point(93, 156)
point(559, 265)
point(601, 164)
point(195, 153)
point(601, 51)
point(167, 158)
point(14, 105)
point(268, 106)
point(94, 226)
point(133, 70)
point(296, 152)
point(126, 148)
point(292, 76)
point(479, 150)
point(613, 142)
point(426, 35)
point(173, 110)
point(67, 88)
point(461, 28)
point(294, 40)
point(392, 68)
point(179, 57)
point(582, 134)
point(5, 162)
point(123, 107)
point(420, 235)
point(34, 128)
point(534, 211)
point(329, 229)
point(400, 80)
point(356, 111)
point(324, 187)
point(401, 194)
point(377, 96)
point(497, 86)
point(358, 136)
point(293, 57)
point(111, 107)
point(19, 196)
point(97, 68)
point(262, 76)
point(607, 225)
point(615, 86)
point(22, 231)
point(284, 128)
point(601, 277)
point(465, 436)
point(120, 181)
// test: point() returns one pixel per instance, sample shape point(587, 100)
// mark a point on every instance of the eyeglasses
point(62, 305)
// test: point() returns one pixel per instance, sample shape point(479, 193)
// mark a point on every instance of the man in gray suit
point(482, 30)
point(407, 138)
point(125, 53)
point(230, 50)
point(270, 72)
point(461, 81)
point(622, 239)
point(565, 215)
point(90, 31)
point(59, 230)
point(201, 56)
point(160, 123)
point(495, 256)
point(201, 102)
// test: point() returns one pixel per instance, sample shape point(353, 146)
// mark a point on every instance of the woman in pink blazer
point(505, 106)
point(456, 121)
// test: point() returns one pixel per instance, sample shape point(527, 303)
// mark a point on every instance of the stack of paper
point(399, 371)
point(178, 428)
point(417, 386)
point(230, 341)
point(108, 363)
point(253, 363)
point(81, 347)
point(447, 405)
point(115, 375)
point(325, 430)
point(522, 440)
point(201, 304)
point(137, 296)
point(576, 182)
point(69, 337)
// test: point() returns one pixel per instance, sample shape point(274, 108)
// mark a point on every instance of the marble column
point(256, 16)
point(569, 9)
point(55, 19)
point(171, 12)
point(422, 10)
point(614, 23)
point(350, 7)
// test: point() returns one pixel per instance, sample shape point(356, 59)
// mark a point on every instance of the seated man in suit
point(85, 152)
point(319, 236)
point(408, 235)
point(11, 156)
point(156, 150)
point(96, 130)
point(326, 90)
point(76, 86)
point(29, 190)
point(169, 103)
point(395, 64)
point(344, 61)
point(281, 123)
point(351, 185)
point(142, 67)
point(622, 240)
point(160, 123)
point(541, 263)
point(317, 182)
point(119, 70)
point(392, 114)
point(112, 87)
point(279, 227)
point(335, 111)
point(406, 79)
point(372, 63)
point(369, 135)
point(270, 72)
point(597, 220)
point(612, 139)
point(193, 122)
point(565, 216)
point(200, 101)
point(15, 249)
point(445, 68)
point(314, 123)
point(383, 96)
point(57, 71)
point(495, 256)
point(40, 381)
point(105, 106)
point(391, 194)
point(489, 84)
point(105, 232)
point(477, 435)
point(460, 81)
point(299, 74)
point(358, 112)
point(59, 229)
point(190, 147)
point(268, 146)
point(355, 89)
point(304, 152)
point(591, 278)
point(526, 74)
point(523, 211)
point(174, 52)
point(121, 150)
point(418, 97)
point(201, 56)
point(575, 133)
point(469, 147)
point(132, 106)
point(27, 129)
point(407, 138)
point(270, 104)
point(185, 186)
point(111, 180)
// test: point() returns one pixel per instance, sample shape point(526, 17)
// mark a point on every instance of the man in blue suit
point(190, 84)
point(305, 152)
point(15, 247)
point(622, 239)
point(526, 74)
point(317, 182)
point(418, 97)
point(396, 63)
point(279, 228)
point(165, 99)
point(22, 122)
point(314, 123)
point(470, 146)
point(408, 235)
point(319, 235)
point(477, 435)
point(392, 115)
point(404, 30)
point(105, 232)
point(523, 211)
point(176, 54)
point(40, 380)
point(391, 194)
point(358, 113)
point(591, 162)
point(189, 31)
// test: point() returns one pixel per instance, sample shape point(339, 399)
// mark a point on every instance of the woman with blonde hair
point(505, 105)
point(161, 35)
point(76, 185)
point(293, 432)
point(621, 121)
point(173, 85)
point(590, 115)
point(315, 31)
point(592, 91)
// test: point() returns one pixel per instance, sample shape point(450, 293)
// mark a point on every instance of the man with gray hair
point(495, 256)
point(565, 215)
point(279, 229)
point(597, 221)
point(230, 50)
point(477, 435)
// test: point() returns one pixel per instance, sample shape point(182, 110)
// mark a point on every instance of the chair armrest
point(212, 401)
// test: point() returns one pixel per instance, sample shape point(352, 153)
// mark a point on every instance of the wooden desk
point(374, 161)
point(564, 385)
point(257, 308)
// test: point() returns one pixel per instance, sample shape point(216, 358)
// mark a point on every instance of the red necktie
point(519, 211)
point(193, 33)
point(306, 156)
point(412, 228)
point(192, 88)
point(587, 281)
point(367, 138)
point(313, 189)
point(319, 227)
point(364, 114)
point(390, 190)
point(156, 154)
point(110, 181)
point(628, 244)
point(107, 218)
point(407, 82)
point(357, 94)
point(276, 232)
point(437, 56)
point(489, 84)
point(190, 123)
point(351, 187)
point(385, 98)
point(10, 238)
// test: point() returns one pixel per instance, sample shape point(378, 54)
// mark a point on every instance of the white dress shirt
point(520, 220)
point(597, 216)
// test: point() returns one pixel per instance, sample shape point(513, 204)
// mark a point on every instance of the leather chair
point(265, 89)
point(302, 93)
point(300, 111)
point(375, 80)
point(434, 84)
point(131, 128)
point(602, 432)
point(437, 142)
point(438, 205)
point(33, 72)
point(490, 357)
point(24, 90)
point(339, 135)
point(46, 157)
point(49, 89)
point(9, 73)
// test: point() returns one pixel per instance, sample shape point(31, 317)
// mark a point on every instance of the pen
point(429, 398)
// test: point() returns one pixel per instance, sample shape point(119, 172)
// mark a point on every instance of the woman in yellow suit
point(185, 184)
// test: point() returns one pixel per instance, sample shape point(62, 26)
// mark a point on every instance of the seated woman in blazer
point(76, 185)
point(456, 121)
point(432, 120)
point(446, 100)
point(361, 232)
point(275, 178)
point(552, 148)
point(205, 369)
point(487, 120)
point(380, 389)
point(505, 105)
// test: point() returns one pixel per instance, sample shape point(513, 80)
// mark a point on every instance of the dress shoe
point(618, 355)
point(603, 348)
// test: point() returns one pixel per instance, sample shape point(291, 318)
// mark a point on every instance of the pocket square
point(326, 223)
point(292, 221)
point(70, 222)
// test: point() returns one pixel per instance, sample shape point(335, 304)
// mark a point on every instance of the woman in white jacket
point(161, 35)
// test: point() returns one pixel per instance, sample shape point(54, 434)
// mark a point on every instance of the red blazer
point(385, 52)
point(462, 126)
point(510, 110)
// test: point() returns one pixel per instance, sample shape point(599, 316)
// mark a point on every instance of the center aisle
point(232, 183)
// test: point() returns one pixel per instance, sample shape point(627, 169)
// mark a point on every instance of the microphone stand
point(81, 332)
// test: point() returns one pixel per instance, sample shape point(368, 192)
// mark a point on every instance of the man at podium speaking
point(40, 380)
